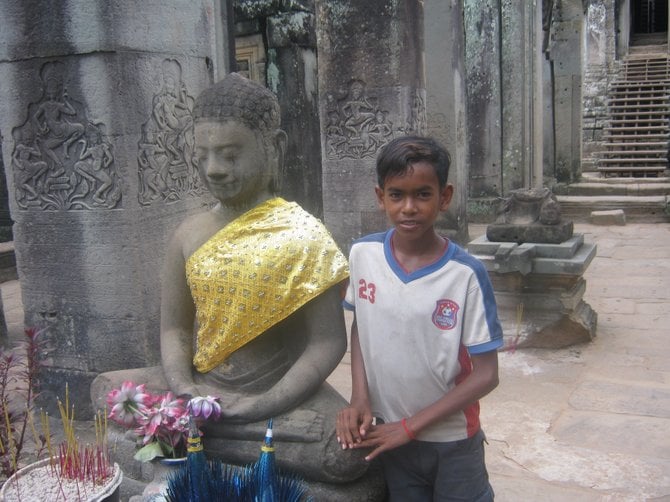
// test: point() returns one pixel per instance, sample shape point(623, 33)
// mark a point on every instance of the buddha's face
point(233, 161)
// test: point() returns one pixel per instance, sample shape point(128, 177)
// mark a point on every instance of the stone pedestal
point(539, 290)
point(96, 125)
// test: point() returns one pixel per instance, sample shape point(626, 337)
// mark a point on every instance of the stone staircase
point(638, 132)
point(632, 173)
point(643, 200)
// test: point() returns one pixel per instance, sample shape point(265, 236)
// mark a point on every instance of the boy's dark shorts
point(423, 471)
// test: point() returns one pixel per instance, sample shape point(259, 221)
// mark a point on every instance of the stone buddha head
point(238, 141)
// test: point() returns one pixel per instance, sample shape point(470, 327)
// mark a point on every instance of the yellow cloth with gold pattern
point(255, 272)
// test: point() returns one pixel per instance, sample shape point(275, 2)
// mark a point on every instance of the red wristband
point(409, 433)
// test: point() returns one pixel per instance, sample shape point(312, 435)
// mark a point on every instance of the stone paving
point(586, 423)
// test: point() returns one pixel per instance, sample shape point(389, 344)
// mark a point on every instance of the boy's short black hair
point(396, 157)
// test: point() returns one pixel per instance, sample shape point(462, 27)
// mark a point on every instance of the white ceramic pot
point(38, 482)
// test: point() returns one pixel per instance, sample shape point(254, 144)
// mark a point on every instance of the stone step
point(634, 160)
point(648, 122)
point(655, 129)
point(638, 84)
point(637, 112)
point(641, 209)
point(638, 144)
point(636, 106)
point(660, 75)
point(629, 101)
point(639, 88)
point(618, 186)
point(644, 137)
point(641, 153)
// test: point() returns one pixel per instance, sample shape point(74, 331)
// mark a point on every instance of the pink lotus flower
point(127, 403)
point(160, 420)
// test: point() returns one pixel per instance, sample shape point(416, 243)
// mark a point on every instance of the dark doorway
point(649, 16)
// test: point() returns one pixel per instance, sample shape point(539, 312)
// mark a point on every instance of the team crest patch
point(445, 314)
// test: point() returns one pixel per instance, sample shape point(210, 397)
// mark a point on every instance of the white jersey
point(417, 330)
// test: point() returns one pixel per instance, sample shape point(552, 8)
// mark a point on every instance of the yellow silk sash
point(255, 272)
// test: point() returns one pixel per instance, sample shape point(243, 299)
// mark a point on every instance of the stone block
point(535, 232)
point(563, 250)
point(568, 258)
point(611, 217)
point(554, 300)
point(549, 329)
point(576, 265)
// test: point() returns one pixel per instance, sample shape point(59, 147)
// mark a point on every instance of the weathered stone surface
point(534, 232)
point(653, 401)
point(572, 327)
point(539, 290)
point(571, 257)
point(530, 205)
point(611, 217)
point(564, 49)
point(593, 430)
point(446, 102)
point(482, 21)
point(381, 95)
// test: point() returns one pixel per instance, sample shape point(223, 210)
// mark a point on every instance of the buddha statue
point(250, 302)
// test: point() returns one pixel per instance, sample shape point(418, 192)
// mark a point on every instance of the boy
point(423, 340)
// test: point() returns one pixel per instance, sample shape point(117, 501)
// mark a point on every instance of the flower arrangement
point(160, 420)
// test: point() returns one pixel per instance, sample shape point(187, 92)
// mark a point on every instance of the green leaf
point(148, 452)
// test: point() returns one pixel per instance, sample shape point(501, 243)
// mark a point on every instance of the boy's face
point(232, 161)
point(413, 200)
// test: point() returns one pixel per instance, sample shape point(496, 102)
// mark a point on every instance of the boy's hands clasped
point(355, 430)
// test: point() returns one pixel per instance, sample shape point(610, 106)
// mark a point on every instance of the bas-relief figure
point(165, 150)
point(61, 159)
point(260, 279)
point(357, 126)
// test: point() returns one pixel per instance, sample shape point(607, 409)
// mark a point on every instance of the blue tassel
point(266, 470)
point(213, 481)
point(196, 463)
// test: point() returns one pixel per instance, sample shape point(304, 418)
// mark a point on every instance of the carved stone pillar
point(446, 103)
point(98, 145)
point(292, 75)
point(371, 89)
point(565, 52)
point(482, 56)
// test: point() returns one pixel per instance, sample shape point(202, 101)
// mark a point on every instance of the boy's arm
point(354, 421)
point(482, 380)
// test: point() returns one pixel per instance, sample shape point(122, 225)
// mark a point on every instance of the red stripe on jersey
point(471, 411)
